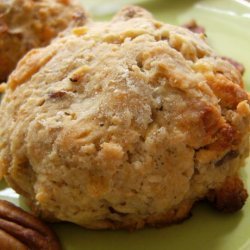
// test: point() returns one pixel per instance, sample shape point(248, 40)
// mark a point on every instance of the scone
point(26, 24)
point(124, 124)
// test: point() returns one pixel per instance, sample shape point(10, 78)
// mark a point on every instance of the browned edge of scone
point(231, 197)
point(193, 26)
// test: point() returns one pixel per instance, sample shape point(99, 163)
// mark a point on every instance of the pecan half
point(22, 231)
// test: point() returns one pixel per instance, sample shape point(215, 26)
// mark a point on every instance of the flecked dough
point(124, 124)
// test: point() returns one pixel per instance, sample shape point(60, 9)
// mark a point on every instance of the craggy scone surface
point(27, 24)
point(124, 124)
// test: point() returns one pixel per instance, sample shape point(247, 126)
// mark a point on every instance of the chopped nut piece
point(79, 73)
point(3, 87)
point(194, 27)
point(58, 94)
point(79, 31)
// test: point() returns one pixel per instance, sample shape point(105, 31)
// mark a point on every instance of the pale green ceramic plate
point(228, 28)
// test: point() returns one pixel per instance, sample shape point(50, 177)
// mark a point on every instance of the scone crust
point(124, 124)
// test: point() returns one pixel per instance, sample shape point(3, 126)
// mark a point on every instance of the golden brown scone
point(27, 24)
point(123, 124)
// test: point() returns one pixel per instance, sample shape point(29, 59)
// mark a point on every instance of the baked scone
point(27, 24)
point(124, 124)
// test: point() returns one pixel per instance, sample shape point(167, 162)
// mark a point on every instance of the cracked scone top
point(125, 124)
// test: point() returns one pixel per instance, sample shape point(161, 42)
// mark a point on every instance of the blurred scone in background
point(27, 24)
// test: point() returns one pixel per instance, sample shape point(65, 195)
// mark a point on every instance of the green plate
point(227, 23)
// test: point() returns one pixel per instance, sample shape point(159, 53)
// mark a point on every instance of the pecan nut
point(194, 27)
point(20, 230)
